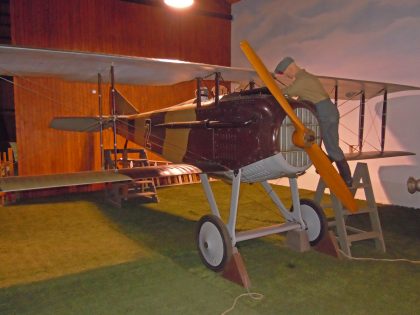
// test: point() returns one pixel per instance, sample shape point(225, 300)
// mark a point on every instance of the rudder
point(123, 106)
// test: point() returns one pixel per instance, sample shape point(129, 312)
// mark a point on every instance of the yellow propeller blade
point(330, 176)
point(303, 137)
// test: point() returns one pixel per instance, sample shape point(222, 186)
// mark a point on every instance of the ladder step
point(347, 234)
point(354, 229)
point(141, 194)
point(142, 187)
point(140, 191)
point(363, 236)
point(143, 181)
point(136, 160)
point(357, 186)
point(137, 188)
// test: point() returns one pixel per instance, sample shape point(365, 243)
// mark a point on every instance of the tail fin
point(83, 124)
point(123, 106)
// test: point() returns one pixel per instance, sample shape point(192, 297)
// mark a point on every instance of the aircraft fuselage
point(241, 129)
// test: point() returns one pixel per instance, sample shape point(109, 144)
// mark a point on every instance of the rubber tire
point(213, 242)
point(310, 210)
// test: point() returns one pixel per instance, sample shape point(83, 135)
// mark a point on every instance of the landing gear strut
point(216, 240)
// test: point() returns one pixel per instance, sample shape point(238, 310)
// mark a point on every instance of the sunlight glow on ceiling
point(179, 4)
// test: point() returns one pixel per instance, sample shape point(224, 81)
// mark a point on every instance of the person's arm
point(292, 90)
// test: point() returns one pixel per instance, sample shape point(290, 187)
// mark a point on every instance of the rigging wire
point(45, 89)
point(66, 105)
point(351, 131)
point(365, 141)
point(372, 125)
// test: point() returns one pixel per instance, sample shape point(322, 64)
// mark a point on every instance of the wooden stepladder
point(143, 189)
point(347, 234)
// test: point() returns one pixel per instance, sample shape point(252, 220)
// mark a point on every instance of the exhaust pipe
point(413, 185)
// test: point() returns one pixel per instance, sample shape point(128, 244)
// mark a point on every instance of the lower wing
point(375, 155)
point(25, 183)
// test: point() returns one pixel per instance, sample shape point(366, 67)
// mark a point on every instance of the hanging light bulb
point(179, 4)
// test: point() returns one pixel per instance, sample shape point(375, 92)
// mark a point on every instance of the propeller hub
point(303, 138)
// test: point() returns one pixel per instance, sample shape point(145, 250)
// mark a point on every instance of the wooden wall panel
point(110, 26)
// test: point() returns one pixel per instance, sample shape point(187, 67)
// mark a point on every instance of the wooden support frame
point(346, 234)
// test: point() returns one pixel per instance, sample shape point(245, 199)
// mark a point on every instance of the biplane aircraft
point(244, 136)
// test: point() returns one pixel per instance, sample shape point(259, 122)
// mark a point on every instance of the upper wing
point(85, 66)
point(349, 88)
point(24, 183)
point(352, 89)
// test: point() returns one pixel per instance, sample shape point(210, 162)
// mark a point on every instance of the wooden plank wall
point(111, 26)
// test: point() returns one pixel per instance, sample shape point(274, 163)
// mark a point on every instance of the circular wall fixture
point(179, 4)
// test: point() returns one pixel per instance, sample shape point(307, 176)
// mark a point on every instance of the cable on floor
point(379, 259)
point(253, 295)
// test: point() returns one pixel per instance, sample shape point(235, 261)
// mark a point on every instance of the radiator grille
point(291, 153)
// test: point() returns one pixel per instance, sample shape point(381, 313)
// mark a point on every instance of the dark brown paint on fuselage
point(228, 148)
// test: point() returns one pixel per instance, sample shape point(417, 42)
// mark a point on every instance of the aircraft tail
point(123, 106)
point(92, 123)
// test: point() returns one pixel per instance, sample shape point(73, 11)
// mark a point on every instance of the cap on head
point(283, 64)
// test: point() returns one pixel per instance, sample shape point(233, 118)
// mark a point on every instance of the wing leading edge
point(356, 156)
point(351, 88)
point(85, 66)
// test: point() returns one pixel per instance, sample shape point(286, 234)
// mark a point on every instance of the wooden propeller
point(303, 137)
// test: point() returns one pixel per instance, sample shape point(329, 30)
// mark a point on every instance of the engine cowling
point(290, 159)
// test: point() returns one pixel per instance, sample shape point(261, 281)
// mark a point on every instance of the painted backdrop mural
point(370, 40)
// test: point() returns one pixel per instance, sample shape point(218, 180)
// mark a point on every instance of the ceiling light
point(179, 4)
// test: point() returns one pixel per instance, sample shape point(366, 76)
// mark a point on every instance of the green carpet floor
point(68, 260)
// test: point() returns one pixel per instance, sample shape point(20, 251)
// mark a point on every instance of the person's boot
point(344, 170)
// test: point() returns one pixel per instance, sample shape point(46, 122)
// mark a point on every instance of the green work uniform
point(307, 87)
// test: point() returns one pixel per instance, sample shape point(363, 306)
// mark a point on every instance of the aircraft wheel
point(213, 242)
point(315, 220)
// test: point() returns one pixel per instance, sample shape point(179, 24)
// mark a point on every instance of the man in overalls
point(306, 86)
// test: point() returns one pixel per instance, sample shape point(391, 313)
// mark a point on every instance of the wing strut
point(384, 112)
point(101, 127)
point(361, 119)
point(114, 116)
point(336, 94)
point(216, 88)
point(198, 92)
